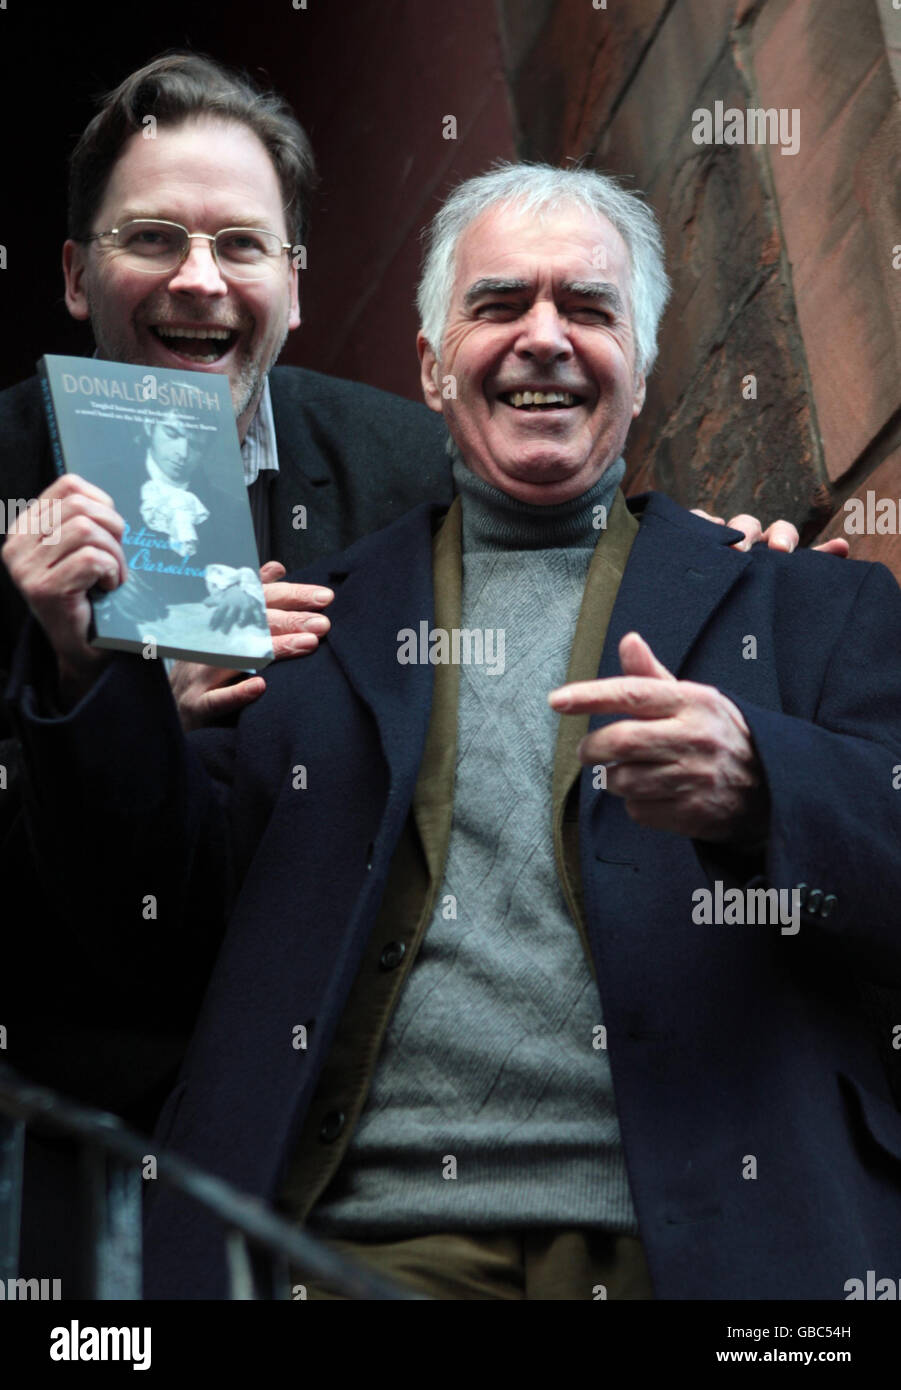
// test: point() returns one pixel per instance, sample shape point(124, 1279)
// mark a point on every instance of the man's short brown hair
point(173, 88)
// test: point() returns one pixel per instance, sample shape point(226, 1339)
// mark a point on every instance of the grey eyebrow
point(601, 291)
point(493, 286)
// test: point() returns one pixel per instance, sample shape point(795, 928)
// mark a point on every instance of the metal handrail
point(261, 1247)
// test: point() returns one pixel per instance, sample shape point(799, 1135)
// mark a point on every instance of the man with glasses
point(181, 254)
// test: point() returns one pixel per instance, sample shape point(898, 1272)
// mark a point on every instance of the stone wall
point(778, 385)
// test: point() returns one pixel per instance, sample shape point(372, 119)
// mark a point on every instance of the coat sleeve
point(127, 825)
point(835, 790)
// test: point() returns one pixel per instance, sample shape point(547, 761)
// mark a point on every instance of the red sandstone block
point(836, 200)
point(885, 484)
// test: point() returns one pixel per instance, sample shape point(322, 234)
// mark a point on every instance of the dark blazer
point(356, 458)
point(725, 1042)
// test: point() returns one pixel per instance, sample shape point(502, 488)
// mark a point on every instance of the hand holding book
point(56, 568)
point(296, 621)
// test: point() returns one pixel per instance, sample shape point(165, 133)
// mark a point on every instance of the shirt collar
point(259, 450)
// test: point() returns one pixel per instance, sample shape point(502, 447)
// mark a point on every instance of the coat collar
point(680, 569)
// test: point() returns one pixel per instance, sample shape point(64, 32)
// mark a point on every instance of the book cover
point(164, 445)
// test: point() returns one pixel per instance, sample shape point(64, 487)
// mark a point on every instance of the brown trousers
point(520, 1264)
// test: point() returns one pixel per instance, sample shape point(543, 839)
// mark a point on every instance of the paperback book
point(164, 445)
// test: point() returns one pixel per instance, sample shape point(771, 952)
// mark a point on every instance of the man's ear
point(294, 316)
point(638, 396)
point(74, 271)
point(428, 374)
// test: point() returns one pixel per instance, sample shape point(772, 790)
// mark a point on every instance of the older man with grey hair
point(509, 1004)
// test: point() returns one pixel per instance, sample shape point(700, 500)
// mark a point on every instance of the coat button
point(801, 890)
point(331, 1126)
point(828, 905)
point(814, 898)
point(392, 955)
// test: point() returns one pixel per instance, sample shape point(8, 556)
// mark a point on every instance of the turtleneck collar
point(494, 521)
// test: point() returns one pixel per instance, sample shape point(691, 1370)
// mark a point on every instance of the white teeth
point(521, 398)
point(218, 333)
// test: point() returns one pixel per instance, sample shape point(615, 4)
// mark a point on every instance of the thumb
point(637, 659)
point(272, 571)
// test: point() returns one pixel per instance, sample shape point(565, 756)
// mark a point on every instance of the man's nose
point(199, 272)
point(544, 334)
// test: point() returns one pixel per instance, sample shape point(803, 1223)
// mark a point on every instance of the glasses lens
point(152, 246)
point(246, 253)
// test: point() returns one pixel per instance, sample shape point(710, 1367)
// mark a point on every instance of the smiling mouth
point(206, 345)
point(540, 400)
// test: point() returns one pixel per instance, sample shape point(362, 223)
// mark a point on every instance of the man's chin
point(541, 470)
point(246, 392)
point(543, 485)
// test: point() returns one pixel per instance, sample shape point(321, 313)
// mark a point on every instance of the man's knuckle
point(80, 526)
point(95, 559)
point(76, 504)
point(706, 746)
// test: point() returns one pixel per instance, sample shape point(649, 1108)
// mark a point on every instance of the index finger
point(71, 483)
point(643, 697)
point(299, 596)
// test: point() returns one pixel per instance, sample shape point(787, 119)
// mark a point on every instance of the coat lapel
point(304, 474)
point(395, 564)
point(679, 571)
point(674, 581)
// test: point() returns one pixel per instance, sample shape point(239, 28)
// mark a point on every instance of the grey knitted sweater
point(489, 1106)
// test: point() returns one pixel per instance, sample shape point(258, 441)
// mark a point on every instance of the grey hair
point(535, 188)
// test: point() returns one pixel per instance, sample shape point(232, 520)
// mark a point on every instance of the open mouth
point(205, 345)
point(540, 400)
